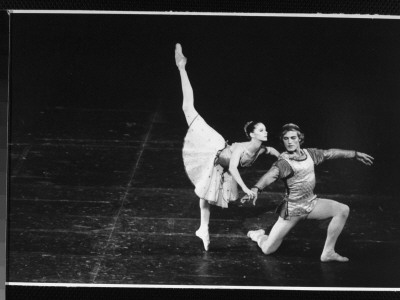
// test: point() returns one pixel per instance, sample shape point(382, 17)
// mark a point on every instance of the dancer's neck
point(253, 145)
point(297, 152)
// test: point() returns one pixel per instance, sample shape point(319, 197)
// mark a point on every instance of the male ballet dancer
point(296, 168)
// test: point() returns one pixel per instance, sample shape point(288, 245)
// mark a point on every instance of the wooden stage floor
point(100, 196)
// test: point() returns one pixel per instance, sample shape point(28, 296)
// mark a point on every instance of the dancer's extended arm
point(272, 151)
point(280, 169)
point(233, 164)
point(320, 155)
point(268, 178)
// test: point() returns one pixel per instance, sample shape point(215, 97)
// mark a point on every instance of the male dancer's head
point(292, 137)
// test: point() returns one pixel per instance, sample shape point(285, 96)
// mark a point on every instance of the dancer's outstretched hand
point(180, 59)
point(251, 197)
point(364, 158)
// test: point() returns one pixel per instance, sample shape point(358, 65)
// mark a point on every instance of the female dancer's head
point(256, 130)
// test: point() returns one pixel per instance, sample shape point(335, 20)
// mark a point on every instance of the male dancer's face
point(291, 141)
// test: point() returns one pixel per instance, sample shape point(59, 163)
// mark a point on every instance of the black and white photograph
point(204, 150)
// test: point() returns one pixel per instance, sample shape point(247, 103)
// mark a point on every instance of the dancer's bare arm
point(233, 169)
point(268, 178)
point(272, 151)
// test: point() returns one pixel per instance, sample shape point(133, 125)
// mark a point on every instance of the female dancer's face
point(260, 132)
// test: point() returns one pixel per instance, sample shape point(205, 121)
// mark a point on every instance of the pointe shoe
point(180, 59)
point(333, 256)
point(255, 234)
point(205, 237)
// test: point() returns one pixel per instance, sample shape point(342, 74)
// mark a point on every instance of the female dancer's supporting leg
point(190, 113)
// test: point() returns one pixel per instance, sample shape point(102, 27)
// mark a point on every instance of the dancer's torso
point(301, 185)
point(246, 159)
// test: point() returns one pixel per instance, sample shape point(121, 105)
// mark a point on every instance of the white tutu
point(200, 148)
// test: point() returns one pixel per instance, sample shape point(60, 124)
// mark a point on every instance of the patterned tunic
point(299, 177)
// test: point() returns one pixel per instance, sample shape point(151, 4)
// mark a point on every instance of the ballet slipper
point(205, 237)
point(255, 234)
point(333, 256)
point(180, 59)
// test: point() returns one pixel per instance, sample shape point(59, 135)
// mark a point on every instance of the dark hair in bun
point(249, 128)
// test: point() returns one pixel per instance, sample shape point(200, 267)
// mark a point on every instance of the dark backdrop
point(335, 77)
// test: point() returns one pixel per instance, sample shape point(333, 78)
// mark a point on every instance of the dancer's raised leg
point(190, 114)
point(202, 232)
point(188, 99)
point(339, 212)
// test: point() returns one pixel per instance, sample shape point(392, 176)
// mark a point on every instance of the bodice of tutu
point(206, 157)
point(246, 159)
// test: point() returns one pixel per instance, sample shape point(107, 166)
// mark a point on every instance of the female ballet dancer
point(210, 163)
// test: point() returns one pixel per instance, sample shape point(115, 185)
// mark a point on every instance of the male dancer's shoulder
point(282, 164)
point(283, 156)
point(317, 155)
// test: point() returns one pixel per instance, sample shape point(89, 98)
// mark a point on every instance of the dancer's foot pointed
point(180, 59)
point(255, 234)
point(333, 256)
point(205, 237)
